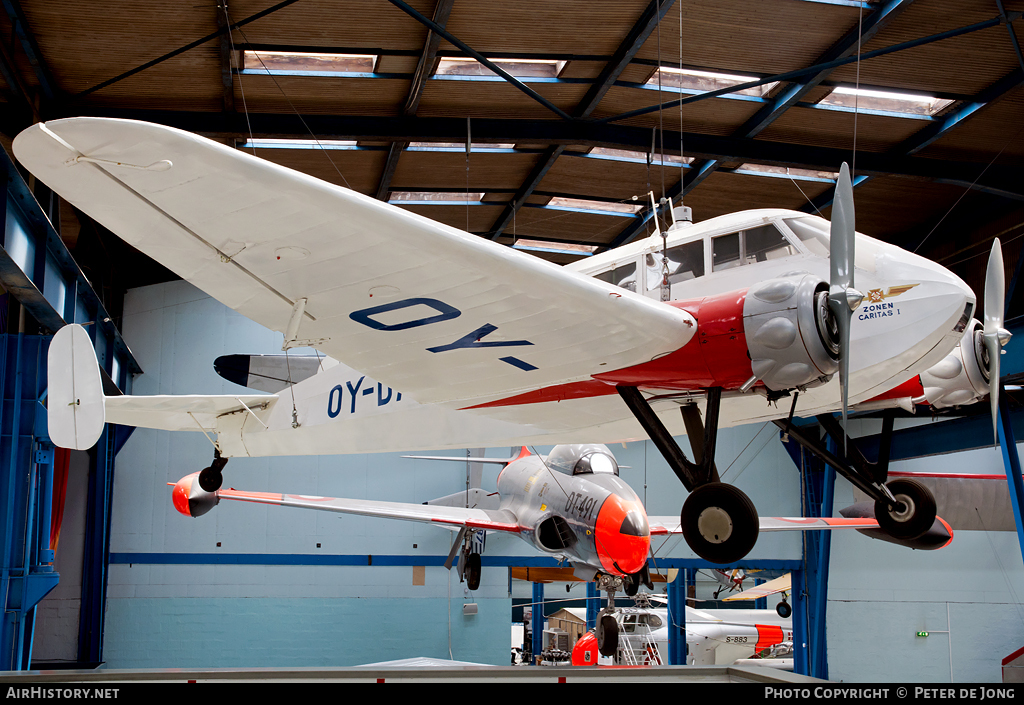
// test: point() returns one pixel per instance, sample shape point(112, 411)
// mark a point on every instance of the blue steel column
point(800, 663)
point(593, 604)
point(537, 623)
point(677, 618)
point(1011, 463)
point(26, 477)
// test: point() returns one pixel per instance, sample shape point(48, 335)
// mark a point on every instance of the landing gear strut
point(905, 509)
point(469, 560)
point(607, 631)
point(719, 521)
point(210, 479)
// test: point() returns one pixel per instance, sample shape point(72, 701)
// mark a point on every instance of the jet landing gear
point(210, 479)
point(607, 631)
point(469, 559)
point(719, 522)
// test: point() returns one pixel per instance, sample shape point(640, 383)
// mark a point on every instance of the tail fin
point(75, 411)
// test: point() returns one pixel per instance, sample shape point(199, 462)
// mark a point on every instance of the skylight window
point(886, 101)
point(626, 155)
point(706, 81)
point(298, 62)
point(459, 147)
point(520, 68)
point(787, 172)
point(435, 197)
point(299, 144)
point(581, 204)
point(564, 248)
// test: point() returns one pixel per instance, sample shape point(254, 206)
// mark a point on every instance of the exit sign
point(922, 633)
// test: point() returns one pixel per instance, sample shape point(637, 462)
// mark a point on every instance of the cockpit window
point(758, 244)
point(813, 232)
point(685, 262)
point(582, 459)
point(623, 276)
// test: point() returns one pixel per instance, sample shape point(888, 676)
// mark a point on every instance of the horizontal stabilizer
point(74, 399)
point(185, 412)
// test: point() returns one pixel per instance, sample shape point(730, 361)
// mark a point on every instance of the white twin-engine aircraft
point(460, 342)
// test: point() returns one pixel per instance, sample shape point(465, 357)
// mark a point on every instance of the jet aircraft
point(488, 346)
point(570, 504)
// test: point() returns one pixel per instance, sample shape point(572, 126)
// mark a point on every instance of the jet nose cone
point(190, 499)
point(623, 535)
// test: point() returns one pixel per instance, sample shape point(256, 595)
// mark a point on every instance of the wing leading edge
point(441, 314)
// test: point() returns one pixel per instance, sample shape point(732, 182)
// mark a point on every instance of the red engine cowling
point(780, 333)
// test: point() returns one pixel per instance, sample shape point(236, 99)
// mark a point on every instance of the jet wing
point(772, 587)
point(448, 517)
point(440, 314)
point(663, 525)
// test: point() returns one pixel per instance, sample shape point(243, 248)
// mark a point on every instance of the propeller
point(843, 298)
point(993, 333)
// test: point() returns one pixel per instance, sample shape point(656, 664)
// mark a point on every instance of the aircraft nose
point(623, 535)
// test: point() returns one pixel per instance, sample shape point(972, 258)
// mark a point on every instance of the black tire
point(719, 523)
point(917, 516)
point(210, 480)
point(783, 609)
point(631, 584)
point(473, 571)
point(607, 635)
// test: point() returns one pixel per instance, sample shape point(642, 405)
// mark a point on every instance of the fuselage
point(592, 518)
point(914, 313)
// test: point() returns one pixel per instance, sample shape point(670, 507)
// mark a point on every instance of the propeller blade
point(843, 298)
point(993, 332)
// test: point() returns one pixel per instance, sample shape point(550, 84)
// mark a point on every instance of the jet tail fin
point(75, 411)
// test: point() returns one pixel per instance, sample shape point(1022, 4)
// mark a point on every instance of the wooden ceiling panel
point(481, 218)
point(545, 223)
point(443, 98)
point(832, 128)
point(725, 192)
point(356, 169)
point(715, 116)
point(422, 171)
point(320, 95)
point(606, 178)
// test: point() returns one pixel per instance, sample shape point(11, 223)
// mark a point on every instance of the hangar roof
point(559, 102)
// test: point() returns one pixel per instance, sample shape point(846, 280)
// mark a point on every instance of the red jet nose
point(623, 535)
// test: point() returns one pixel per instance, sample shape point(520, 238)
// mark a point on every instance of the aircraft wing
point(440, 314)
point(185, 412)
point(772, 587)
point(663, 525)
point(447, 517)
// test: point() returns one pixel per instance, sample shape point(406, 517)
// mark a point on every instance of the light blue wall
point(219, 615)
point(880, 595)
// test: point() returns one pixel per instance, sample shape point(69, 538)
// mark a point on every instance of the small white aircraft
point(713, 637)
point(466, 343)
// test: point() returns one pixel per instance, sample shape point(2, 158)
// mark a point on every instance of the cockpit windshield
point(583, 459)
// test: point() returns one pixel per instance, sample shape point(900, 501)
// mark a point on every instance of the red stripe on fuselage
point(767, 635)
point(715, 357)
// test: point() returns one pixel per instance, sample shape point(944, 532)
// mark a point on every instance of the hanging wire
point(241, 89)
point(295, 110)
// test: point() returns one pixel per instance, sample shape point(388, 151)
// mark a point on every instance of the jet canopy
point(583, 459)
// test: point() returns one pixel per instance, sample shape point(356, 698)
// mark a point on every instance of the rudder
point(75, 411)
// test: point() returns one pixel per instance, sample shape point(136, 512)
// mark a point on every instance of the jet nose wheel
point(607, 635)
point(914, 514)
point(473, 571)
point(719, 522)
point(783, 609)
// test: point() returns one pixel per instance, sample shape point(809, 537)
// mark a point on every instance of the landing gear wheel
point(631, 584)
point(914, 517)
point(719, 522)
point(473, 571)
point(783, 609)
point(607, 635)
point(210, 479)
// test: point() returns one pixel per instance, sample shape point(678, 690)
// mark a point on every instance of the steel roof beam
point(28, 43)
point(412, 102)
point(791, 75)
point(187, 47)
point(627, 49)
point(480, 57)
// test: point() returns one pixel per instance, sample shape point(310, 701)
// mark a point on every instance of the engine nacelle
point(962, 376)
point(792, 335)
point(192, 500)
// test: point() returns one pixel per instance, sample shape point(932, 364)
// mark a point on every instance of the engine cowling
point(792, 336)
point(962, 376)
point(192, 500)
